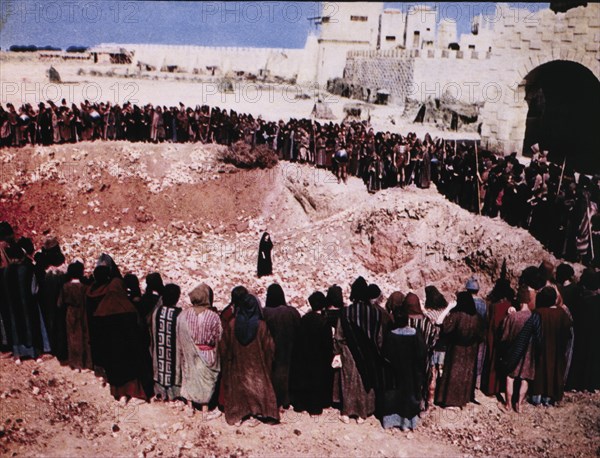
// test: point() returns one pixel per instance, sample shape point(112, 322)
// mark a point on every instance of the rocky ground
point(50, 410)
point(178, 210)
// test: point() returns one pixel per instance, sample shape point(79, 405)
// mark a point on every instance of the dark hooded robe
point(358, 340)
point(24, 326)
point(425, 175)
point(283, 322)
point(247, 350)
point(265, 265)
point(401, 399)
point(72, 298)
point(49, 290)
point(312, 374)
point(462, 331)
point(585, 369)
point(117, 341)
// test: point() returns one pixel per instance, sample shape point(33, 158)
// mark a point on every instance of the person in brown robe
point(228, 314)
point(72, 297)
point(462, 330)
point(358, 339)
point(501, 300)
point(247, 351)
point(525, 369)
point(585, 370)
point(551, 360)
point(283, 322)
point(411, 307)
point(116, 339)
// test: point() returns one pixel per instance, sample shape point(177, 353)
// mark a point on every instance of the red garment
point(491, 384)
point(551, 361)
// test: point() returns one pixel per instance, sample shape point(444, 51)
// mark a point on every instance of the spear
point(589, 217)
point(562, 173)
point(478, 178)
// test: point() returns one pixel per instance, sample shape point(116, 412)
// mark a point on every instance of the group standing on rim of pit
point(395, 359)
point(555, 204)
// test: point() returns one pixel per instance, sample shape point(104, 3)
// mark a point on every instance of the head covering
point(106, 260)
point(6, 231)
point(465, 303)
point(546, 298)
point(589, 279)
point(237, 295)
point(27, 245)
point(335, 297)
point(317, 301)
point(14, 251)
point(359, 290)
point(394, 301)
point(265, 244)
point(434, 300)
point(547, 270)
point(200, 296)
point(523, 295)
point(374, 291)
point(154, 282)
point(275, 296)
point(412, 305)
point(247, 319)
point(132, 285)
point(532, 277)
point(101, 275)
point(564, 272)
point(472, 284)
point(400, 317)
point(52, 253)
point(502, 290)
point(75, 270)
point(171, 294)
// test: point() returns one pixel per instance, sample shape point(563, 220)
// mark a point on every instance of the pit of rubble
point(178, 210)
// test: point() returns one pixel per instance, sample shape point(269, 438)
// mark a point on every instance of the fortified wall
point(499, 79)
point(418, 74)
point(523, 47)
point(216, 61)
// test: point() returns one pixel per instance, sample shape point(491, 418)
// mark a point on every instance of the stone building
point(536, 77)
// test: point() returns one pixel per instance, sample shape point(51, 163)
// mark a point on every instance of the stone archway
point(563, 113)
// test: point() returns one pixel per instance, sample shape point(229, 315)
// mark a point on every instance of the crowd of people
point(366, 355)
point(558, 206)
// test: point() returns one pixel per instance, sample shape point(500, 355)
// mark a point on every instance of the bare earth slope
point(176, 209)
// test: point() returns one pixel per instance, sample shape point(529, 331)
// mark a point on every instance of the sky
point(275, 24)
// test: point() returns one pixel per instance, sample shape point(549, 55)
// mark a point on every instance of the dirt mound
point(177, 209)
point(246, 156)
point(419, 238)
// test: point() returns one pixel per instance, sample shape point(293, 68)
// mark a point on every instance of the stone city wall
point(419, 74)
point(520, 48)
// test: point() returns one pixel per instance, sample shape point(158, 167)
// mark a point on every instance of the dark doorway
point(564, 114)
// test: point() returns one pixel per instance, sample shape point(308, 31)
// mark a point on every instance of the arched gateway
point(563, 116)
point(549, 70)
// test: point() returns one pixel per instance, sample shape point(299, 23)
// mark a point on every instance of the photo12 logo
point(255, 12)
point(34, 93)
point(70, 12)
